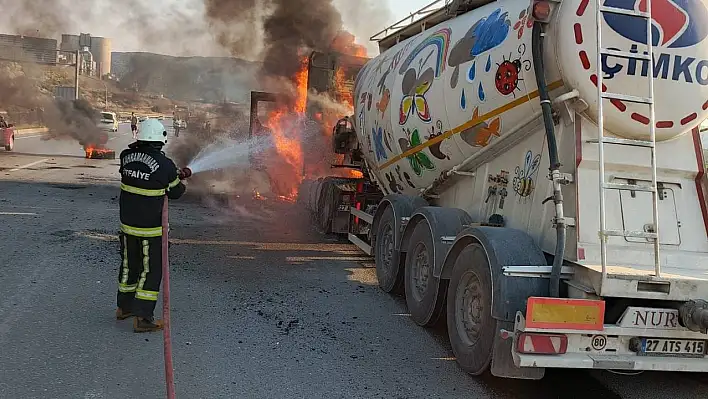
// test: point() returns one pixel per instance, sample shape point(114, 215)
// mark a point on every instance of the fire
point(344, 89)
point(300, 81)
point(257, 195)
point(284, 123)
point(98, 152)
point(345, 43)
point(355, 174)
point(287, 124)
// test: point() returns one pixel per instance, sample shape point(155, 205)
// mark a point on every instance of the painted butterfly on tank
point(414, 90)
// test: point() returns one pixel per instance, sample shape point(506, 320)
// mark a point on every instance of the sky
point(402, 8)
point(398, 9)
point(174, 27)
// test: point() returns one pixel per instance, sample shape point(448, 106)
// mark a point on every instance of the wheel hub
point(385, 245)
point(421, 271)
point(469, 308)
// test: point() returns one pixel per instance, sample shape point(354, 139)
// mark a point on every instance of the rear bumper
point(609, 348)
point(613, 362)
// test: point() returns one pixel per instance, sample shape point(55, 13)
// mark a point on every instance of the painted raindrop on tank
point(481, 92)
point(470, 78)
point(472, 71)
point(488, 67)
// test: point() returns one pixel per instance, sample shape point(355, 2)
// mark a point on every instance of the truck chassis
point(494, 295)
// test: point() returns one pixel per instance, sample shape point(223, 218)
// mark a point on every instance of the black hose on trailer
point(537, 52)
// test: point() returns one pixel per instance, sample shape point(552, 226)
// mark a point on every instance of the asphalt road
point(261, 308)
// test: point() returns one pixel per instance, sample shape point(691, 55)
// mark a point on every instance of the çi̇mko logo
point(677, 25)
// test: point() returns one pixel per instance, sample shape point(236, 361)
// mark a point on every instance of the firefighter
point(147, 175)
point(134, 125)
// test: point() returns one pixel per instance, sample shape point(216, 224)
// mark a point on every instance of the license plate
point(673, 347)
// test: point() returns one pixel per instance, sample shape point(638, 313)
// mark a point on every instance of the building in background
point(97, 51)
point(17, 48)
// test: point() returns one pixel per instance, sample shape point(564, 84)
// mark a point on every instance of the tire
point(470, 324)
point(388, 261)
point(10, 145)
point(425, 295)
point(325, 208)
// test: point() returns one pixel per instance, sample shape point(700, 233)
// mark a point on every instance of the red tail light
point(542, 344)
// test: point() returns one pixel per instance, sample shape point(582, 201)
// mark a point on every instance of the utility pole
point(106, 86)
point(76, 83)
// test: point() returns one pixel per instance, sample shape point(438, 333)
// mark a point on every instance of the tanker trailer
point(552, 214)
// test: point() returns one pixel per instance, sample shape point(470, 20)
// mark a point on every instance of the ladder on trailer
point(604, 233)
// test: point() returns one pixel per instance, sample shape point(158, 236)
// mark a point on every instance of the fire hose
point(166, 332)
point(169, 370)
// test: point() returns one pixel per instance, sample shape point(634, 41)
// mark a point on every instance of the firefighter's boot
point(141, 325)
point(122, 314)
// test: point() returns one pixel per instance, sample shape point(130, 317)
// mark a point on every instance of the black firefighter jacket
point(147, 175)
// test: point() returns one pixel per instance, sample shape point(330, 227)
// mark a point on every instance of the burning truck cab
point(303, 144)
point(333, 172)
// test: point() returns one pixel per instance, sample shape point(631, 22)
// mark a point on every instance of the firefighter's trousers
point(140, 274)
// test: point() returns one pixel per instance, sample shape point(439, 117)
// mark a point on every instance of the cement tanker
point(555, 215)
point(469, 83)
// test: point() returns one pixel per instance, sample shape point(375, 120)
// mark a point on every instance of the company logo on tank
point(677, 26)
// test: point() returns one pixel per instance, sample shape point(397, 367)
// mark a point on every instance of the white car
point(109, 121)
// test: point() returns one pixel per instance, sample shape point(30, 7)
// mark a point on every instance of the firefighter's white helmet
point(152, 130)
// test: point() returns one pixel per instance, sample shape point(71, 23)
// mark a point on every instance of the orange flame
point(95, 151)
point(286, 124)
point(345, 43)
point(300, 81)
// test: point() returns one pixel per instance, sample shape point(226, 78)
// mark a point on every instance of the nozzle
point(185, 173)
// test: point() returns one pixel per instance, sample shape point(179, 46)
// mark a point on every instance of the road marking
point(18, 214)
point(29, 165)
point(28, 137)
point(118, 136)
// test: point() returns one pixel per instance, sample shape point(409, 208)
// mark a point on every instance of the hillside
point(186, 78)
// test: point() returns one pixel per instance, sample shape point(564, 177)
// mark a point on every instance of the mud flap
point(503, 361)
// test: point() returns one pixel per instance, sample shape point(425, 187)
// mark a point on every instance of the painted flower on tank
point(414, 89)
point(378, 136)
point(525, 21)
point(418, 161)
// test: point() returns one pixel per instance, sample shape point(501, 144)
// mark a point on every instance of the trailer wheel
point(326, 213)
point(425, 295)
point(470, 324)
point(10, 145)
point(388, 265)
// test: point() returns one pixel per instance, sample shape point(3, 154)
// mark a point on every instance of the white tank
point(430, 102)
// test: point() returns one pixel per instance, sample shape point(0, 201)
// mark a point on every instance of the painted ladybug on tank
point(507, 77)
